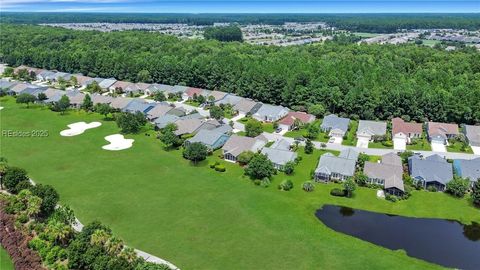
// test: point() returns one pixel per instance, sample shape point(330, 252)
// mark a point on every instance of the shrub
point(289, 168)
point(286, 185)
point(257, 182)
point(391, 198)
point(22, 218)
point(337, 192)
point(213, 164)
point(432, 189)
point(220, 168)
point(458, 187)
point(308, 186)
point(265, 182)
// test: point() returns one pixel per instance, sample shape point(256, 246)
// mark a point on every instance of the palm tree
point(128, 254)
point(99, 238)
point(114, 245)
point(59, 231)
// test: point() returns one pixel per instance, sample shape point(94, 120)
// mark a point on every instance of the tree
point(129, 122)
point(31, 203)
point(308, 146)
point(216, 112)
point(361, 179)
point(144, 76)
point(224, 33)
point(476, 193)
point(259, 167)
point(26, 99)
point(103, 109)
point(93, 87)
point(316, 109)
point(159, 96)
point(8, 72)
point(362, 158)
point(3, 169)
point(74, 80)
point(13, 176)
point(60, 232)
point(313, 129)
point(253, 127)
point(289, 168)
point(458, 186)
point(195, 152)
point(245, 157)
point(62, 105)
point(286, 185)
point(49, 198)
point(167, 136)
point(349, 186)
point(87, 104)
point(41, 97)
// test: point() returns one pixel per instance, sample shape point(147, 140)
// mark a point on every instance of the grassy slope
point(198, 218)
point(5, 260)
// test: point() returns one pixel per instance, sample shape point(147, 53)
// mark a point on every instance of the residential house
point(270, 113)
point(29, 69)
point(472, 133)
point(136, 88)
point(279, 154)
point(162, 121)
point(430, 171)
point(239, 144)
point(191, 92)
point(44, 75)
point(403, 132)
point(230, 99)
point(177, 90)
point(367, 129)
point(158, 111)
point(82, 80)
point(187, 126)
point(468, 168)
point(121, 86)
point(292, 119)
point(336, 126)
point(105, 84)
point(225, 129)
point(212, 139)
point(156, 87)
point(217, 95)
point(96, 99)
point(76, 98)
point(119, 103)
point(441, 132)
point(247, 106)
point(137, 105)
point(331, 167)
point(52, 92)
point(19, 87)
point(387, 173)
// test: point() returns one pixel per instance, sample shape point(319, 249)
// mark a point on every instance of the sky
point(252, 6)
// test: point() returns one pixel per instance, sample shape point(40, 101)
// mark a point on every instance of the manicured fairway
point(198, 218)
point(5, 260)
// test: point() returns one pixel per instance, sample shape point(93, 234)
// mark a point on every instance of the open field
point(366, 35)
point(198, 218)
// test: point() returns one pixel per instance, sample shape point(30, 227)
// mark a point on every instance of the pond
point(444, 242)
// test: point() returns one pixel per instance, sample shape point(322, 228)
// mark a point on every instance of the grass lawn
point(379, 145)
point(430, 43)
point(302, 132)
point(268, 127)
point(5, 260)
point(351, 134)
point(421, 145)
point(192, 103)
point(198, 218)
point(366, 35)
point(458, 147)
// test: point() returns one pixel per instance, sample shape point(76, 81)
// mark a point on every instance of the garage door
point(399, 144)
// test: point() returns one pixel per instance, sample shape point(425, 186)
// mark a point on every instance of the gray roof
point(279, 156)
point(246, 105)
point(332, 121)
point(229, 99)
point(106, 83)
point(468, 168)
point(223, 129)
point(207, 137)
point(187, 126)
point(156, 87)
point(96, 98)
point(390, 170)
point(192, 116)
point(120, 102)
point(34, 91)
point(239, 144)
point(177, 89)
point(159, 110)
point(281, 144)
point(164, 120)
point(6, 84)
point(473, 134)
point(431, 169)
point(271, 111)
point(329, 164)
point(138, 106)
point(349, 153)
point(371, 128)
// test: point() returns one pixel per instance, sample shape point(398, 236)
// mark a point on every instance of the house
point(430, 171)
point(217, 95)
point(137, 88)
point(441, 132)
point(52, 92)
point(158, 111)
point(107, 83)
point(191, 92)
point(34, 91)
point(138, 106)
point(156, 87)
point(82, 80)
point(368, 129)
point(162, 121)
point(96, 99)
point(270, 113)
point(247, 106)
point(388, 173)
point(212, 139)
point(187, 126)
point(336, 126)
point(226, 129)
point(279, 154)
point(177, 90)
point(119, 103)
point(403, 133)
point(468, 168)
point(239, 144)
point(76, 98)
point(44, 75)
point(230, 99)
point(290, 121)
point(19, 87)
point(7, 86)
point(120, 85)
point(472, 133)
point(339, 168)
point(28, 69)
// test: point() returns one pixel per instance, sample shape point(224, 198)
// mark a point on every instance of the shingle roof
point(138, 106)
point(164, 120)
point(160, 88)
point(159, 110)
point(332, 121)
point(290, 118)
point(431, 169)
point(207, 137)
point(281, 144)
point(279, 156)
point(329, 164)
point(473, 134)
point(238, 144)
point(122, 84)
point(120, 102)
point(390, 170)
point(267, 110)
point(371, 128)
point(96, 98)
point(217, 95)
point(400, 126)
point(187, 126)
point(441, 129)
point(230, 99)
point(468, 168)
point(177, 89)
point(245, 105)
point(106, 83)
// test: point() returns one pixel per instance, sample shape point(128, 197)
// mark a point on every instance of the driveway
point(335, 140)
point(399, 144)
point(438, 147)
point(476, 150)
point(362, 143)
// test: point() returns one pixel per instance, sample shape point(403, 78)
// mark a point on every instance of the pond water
point(444, 242)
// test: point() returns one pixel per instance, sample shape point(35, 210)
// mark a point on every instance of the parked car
point(278, 130)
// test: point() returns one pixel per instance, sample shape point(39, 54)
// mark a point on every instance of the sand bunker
point(78, 128)
point(117, 142)
point(1, 107)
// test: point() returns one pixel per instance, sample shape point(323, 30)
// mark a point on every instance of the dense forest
point(366, 81)
point(224, 33)
point(375, 23)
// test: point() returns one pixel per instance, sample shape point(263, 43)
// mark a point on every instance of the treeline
point(379, 23)
point(366, 81)
point(224, 33)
